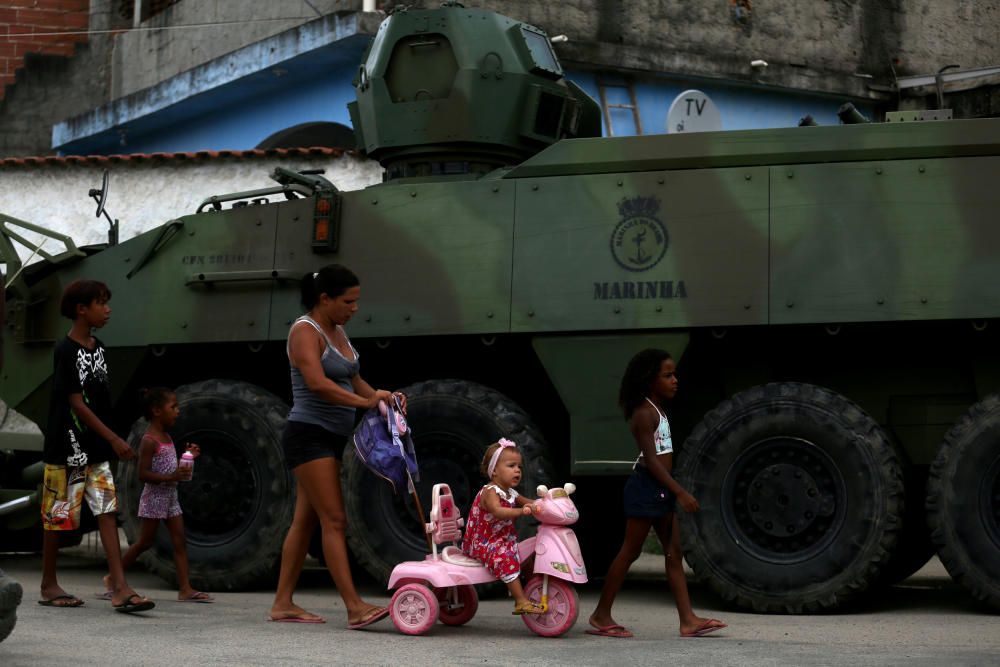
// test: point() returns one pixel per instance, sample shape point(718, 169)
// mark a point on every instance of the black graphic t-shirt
point(78, 370)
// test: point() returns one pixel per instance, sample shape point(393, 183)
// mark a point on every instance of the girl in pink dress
point(490, 537)
point(159, 470)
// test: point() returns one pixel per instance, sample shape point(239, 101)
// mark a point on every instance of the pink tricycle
point(442, 585)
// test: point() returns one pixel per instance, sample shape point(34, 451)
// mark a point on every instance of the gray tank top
point(309, 408)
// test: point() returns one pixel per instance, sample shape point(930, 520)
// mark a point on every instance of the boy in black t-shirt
point(79, 446)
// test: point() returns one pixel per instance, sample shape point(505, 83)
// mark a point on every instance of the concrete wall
point(143, 58)
point(51, 88)
point(815, 46)
point(841, 48)
point(146, 194)
point(810, 46)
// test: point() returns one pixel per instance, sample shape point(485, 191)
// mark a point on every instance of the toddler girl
point(490, 537)
point(159, 470)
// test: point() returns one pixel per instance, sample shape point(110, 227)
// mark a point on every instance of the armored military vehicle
point(10, 590)
point(830, 294)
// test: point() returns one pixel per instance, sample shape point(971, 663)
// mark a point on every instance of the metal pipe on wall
point(368, 6)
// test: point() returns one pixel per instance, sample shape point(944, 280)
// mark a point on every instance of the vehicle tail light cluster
point(326, 223)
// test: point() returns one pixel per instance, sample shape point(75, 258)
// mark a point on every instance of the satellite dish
point(693, 111)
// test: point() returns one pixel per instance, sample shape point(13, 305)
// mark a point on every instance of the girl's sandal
point(528, 608)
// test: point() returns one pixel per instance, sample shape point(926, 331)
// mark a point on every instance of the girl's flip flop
point(711, 625)
point(71, 601)
point(131, 607)
point(530, 608)
point(198, 596)
point(613, 630)
point(297, 619)
point(376, 615)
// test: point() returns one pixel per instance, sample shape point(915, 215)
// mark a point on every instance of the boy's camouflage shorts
point(63, 491)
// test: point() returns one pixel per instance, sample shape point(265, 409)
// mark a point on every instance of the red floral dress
point(493, 541)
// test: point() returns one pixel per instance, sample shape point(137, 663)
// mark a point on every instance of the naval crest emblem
point(640, 238)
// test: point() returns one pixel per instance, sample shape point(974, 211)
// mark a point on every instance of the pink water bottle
point(187, 462)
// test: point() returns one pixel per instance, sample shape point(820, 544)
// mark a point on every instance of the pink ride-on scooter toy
point(441, 586)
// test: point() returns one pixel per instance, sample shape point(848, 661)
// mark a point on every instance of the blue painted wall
point(740, 108)
point(317, 87)
point(245, 124)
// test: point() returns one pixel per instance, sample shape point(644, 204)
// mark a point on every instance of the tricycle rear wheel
point(414, 609)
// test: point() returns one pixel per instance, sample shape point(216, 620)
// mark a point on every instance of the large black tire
point(914, 546)
point(240, 503)
point(10, 598)
point(453, 422)
point(963, 501)
point(801, 499)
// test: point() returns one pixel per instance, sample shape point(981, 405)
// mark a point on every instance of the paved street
point(926, 621)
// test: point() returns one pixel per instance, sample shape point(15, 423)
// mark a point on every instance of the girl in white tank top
point(651, 497)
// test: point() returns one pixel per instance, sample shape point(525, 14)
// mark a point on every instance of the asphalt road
point(927, 620)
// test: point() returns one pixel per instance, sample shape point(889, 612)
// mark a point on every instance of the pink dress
point(159, 501)
point(493, 541)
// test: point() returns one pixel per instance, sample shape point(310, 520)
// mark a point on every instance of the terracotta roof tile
point(67, 160)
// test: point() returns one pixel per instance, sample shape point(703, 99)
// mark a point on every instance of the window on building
point(146, 9)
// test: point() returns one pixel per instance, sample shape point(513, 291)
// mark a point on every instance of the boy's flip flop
point(373, 616)
point(52, 602)
point(613, 630)
point(130, 607)
point(711, 625)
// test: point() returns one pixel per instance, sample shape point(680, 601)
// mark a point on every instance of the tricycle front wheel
point(564, 606)
point(414, 609)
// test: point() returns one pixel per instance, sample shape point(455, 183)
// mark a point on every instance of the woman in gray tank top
point(327, 389)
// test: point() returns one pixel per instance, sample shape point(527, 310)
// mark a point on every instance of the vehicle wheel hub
point(783, 497)
point(783, 500)
point(223, 486)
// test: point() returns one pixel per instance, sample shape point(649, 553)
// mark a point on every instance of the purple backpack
point(384, 443)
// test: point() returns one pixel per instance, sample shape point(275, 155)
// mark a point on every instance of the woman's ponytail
point(308, 290)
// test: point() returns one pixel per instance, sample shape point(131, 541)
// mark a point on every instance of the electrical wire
point(112, 31)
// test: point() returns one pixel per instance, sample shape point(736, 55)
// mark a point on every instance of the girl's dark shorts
point(646, 498)
point(303, 443)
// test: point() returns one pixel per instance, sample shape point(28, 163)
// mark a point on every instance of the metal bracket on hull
point(10, 257)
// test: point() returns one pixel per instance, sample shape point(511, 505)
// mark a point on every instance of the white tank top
point(662, 441)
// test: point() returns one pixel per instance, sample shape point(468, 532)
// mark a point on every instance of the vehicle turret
point(463, 91)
